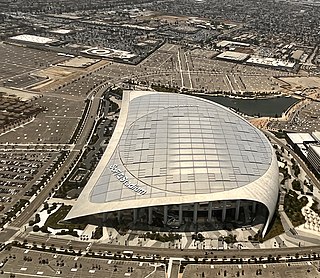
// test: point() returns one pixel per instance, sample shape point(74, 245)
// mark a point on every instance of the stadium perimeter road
point(165, 252)
point(43, 195)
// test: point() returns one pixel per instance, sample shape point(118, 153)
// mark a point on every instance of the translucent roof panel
point(181, 145)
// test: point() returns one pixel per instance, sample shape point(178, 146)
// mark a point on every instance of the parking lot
point(23, 263)
point(29, 148)
point(80, 87)
point(163, 67)
point(20, 173)
point(16, 61)
point(23, 81)
point(289, 270)
point(54, 125)
point(304, 120)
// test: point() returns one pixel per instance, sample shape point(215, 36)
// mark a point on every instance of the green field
point(55, 220)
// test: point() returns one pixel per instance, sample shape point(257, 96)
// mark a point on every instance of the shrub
point(293, 206)
point(296, 185)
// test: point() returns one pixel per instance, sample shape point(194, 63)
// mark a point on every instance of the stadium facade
point(177, 159)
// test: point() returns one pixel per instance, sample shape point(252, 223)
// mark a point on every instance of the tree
point(296, 169)
point(296, 185)
point(44, 229)
point(37, 218)
point(45, 206)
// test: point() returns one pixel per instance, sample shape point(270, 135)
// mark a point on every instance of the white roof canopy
point(170, 149)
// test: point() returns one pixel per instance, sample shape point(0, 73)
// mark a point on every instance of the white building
point(233, 56)
point(271, 62)
point(181, 159)
point(33, 39)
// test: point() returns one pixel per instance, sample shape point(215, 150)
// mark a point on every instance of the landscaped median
point(54, 222)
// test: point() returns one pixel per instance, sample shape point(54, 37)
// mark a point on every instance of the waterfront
point(269, 107)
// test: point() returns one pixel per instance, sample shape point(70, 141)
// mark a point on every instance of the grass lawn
point(54, 221)
point(276, 227)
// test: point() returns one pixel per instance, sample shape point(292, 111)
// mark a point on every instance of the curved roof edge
point(263, 190)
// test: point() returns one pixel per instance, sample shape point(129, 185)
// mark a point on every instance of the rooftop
point(316, 149)
point(174, 144)
point(32, 38)
point(316, 135)
point(271, 62)
point(299, 138)
point(232, 55)
point(176, 149)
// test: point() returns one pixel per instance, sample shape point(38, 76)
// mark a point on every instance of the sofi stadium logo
point(125, 181)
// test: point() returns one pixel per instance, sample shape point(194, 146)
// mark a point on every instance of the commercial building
point(233, 56)
point(307, 146)
point(314, 156)
point(271, 62)
point(299, 142)
point(316, 136)
point(224, 44)
point(108, 53)
point(32, 39)
point(179, 161)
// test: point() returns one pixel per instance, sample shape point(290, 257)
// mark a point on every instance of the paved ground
point(28, 212)
point(29, 263)
point(65, 101)
point(17, 61)
point(173, 66)
point(289, 270)
point(66, 241)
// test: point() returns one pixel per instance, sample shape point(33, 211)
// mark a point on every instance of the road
point(167, 252)
point(185, 75)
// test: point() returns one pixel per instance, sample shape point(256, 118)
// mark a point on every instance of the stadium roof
point(171, 149)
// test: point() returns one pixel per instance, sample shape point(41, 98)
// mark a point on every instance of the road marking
point(180, 69)
point(188, 69)
point(29, 275)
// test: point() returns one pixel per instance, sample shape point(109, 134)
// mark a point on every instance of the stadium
point(178, 161)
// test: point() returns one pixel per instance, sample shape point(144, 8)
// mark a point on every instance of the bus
point(127, 253)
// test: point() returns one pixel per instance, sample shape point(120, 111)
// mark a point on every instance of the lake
point(255, 107)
